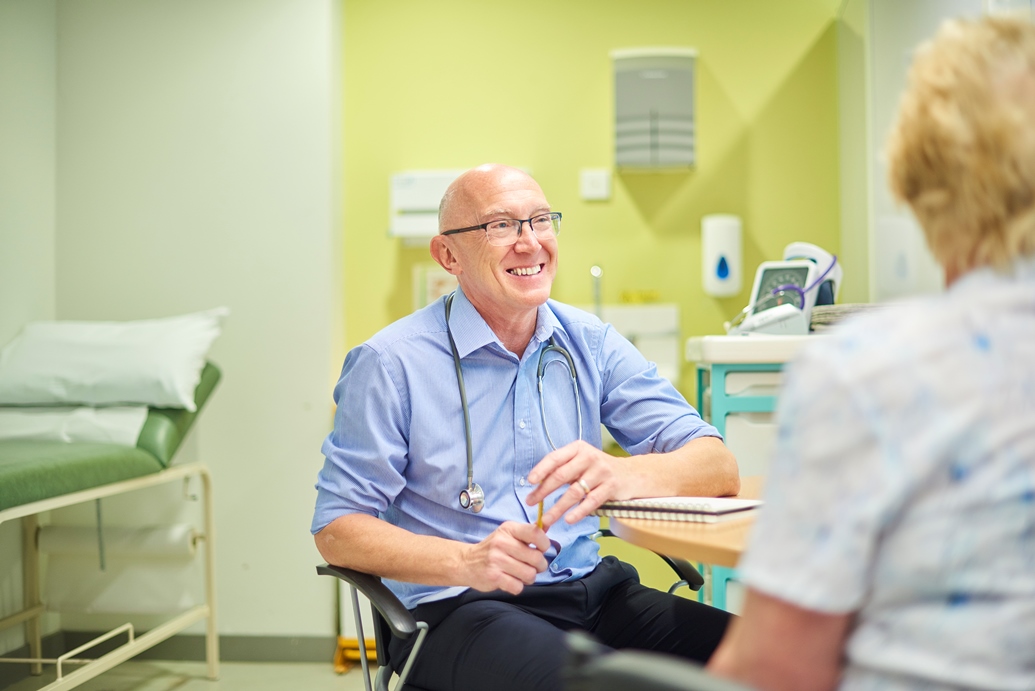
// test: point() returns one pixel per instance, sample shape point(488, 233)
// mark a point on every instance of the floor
point(158, 675)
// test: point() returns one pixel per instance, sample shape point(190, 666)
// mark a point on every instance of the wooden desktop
point(719, 544)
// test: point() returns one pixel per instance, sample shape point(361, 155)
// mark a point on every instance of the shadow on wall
point(652, 191)
point(778, 143)
point(800, 200)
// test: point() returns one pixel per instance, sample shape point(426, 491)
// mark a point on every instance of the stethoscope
point(472, 497)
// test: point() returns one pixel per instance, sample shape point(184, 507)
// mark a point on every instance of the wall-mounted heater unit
point(654, 107)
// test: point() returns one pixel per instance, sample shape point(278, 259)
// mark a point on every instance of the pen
point(539, 519)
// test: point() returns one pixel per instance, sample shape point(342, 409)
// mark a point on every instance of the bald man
point(498, 591)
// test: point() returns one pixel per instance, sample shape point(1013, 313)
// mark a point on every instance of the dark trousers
point(502, 642)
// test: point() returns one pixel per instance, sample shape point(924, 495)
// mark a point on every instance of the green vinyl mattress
point(35, 470)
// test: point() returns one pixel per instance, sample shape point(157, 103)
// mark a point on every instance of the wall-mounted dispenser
point(414, 198)
point(654, 107)
point(721, 266)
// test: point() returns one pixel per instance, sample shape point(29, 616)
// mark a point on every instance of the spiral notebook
point(687, 509)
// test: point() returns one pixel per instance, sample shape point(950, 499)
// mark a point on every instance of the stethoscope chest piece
point(472, 498)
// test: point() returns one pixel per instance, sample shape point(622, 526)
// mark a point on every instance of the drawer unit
point(751, 437)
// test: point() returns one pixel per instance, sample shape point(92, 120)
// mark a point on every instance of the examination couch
point(38, 476)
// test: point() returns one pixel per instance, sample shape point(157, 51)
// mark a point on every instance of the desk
point(720, 544)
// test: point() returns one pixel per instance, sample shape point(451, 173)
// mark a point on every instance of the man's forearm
point(702, 467)
point(507, 559)
point(370, 545)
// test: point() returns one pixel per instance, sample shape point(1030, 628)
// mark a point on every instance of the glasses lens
point(502, 232)
point(505, 231)
point(546, 225)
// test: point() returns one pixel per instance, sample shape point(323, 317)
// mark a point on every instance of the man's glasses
point(504, 232)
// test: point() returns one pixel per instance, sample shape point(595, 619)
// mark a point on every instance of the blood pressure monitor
point(780, 300)
point(783, 282)
point(785, 291)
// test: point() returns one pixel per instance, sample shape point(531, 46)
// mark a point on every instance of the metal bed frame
point(33, 605)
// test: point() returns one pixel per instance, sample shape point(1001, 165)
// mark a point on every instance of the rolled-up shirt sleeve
point(366, 453)
point(643, 410)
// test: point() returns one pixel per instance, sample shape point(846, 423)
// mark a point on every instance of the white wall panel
point(197, 167)
point(880, 238)
point(27, 93)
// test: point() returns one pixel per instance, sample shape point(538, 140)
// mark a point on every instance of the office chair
point(688, 574)
point(391, 618)
point(593, 667)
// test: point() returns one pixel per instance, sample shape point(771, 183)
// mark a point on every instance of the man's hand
point(701, 467)
point(508, 559)
point(594, 477)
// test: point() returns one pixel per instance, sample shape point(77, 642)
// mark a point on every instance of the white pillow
point(155, 362)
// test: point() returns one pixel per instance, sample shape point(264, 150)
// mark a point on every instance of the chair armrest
point(592, 668)
point(685, 570)
point(398, 618)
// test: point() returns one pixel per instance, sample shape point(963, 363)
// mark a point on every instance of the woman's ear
point(442, 252)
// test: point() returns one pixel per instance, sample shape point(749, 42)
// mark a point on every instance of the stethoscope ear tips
point(472, 498)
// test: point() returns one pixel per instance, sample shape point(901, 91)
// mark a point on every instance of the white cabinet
point(738, 379)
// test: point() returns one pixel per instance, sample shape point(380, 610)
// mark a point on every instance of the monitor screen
point(774, 277)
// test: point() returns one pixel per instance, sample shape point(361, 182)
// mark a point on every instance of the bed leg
point(211, 631)
point(31, 589)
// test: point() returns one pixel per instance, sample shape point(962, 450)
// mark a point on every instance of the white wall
point(196, 167)
point(902, 265)
point(877, 39)
point(197, 164)
point(27, 92)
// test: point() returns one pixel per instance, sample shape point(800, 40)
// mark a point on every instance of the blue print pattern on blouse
point(902, 489)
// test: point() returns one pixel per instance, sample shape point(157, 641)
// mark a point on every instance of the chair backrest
point(593, 667)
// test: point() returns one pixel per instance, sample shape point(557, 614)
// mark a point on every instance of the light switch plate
point(595, 184)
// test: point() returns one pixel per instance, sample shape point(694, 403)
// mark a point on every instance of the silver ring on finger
point(582, 483)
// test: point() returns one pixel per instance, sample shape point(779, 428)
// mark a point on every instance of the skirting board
point(189, 648)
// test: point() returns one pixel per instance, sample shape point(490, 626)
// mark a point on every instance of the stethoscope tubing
point(463, 394)
point(472, 497)
point(541, 370)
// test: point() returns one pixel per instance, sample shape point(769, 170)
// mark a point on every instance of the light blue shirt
point(398, 448)
point(903, 489)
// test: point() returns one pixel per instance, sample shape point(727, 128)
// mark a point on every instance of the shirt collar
point(470, 332)
point(1021, 269)
point(546, 323)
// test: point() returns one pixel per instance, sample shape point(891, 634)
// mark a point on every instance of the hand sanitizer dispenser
point(721, 266)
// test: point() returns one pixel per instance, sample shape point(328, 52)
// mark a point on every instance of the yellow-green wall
point(455, 83)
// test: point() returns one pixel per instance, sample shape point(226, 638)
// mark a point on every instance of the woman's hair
point(962, 152)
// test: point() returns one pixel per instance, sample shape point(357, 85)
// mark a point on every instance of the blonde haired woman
point(896, 549)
